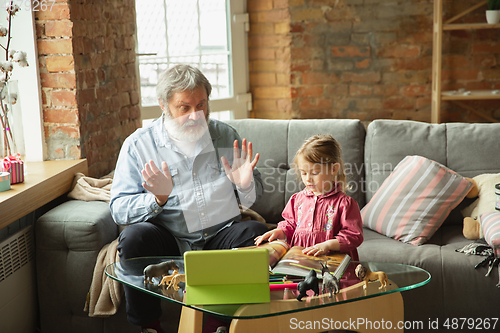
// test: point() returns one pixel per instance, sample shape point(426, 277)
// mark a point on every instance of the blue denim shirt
point(203, 200)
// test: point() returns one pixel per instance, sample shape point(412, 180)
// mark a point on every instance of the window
point(208, 34)
point(27, 125)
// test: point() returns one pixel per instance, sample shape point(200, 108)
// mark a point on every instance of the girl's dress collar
point(310, 193)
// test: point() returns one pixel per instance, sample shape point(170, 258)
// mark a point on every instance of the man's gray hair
point(178, 79)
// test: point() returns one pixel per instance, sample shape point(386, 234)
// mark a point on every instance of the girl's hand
point(270, 236)
point(322, 248)
point(315, 250)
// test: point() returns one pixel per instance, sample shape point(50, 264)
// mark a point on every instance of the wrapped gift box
point(15, 166)
point(4, 181)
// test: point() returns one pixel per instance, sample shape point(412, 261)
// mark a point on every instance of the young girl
point(321, 218)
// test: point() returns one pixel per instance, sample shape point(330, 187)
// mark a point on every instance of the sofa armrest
point(68, 240)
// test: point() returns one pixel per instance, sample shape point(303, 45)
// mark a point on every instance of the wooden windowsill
point(43, 182)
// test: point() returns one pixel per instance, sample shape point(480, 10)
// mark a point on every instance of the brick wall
point(269, 57)
point(364, 59)
point(88, 75)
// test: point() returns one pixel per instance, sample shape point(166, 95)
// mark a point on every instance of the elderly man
point(177, 184)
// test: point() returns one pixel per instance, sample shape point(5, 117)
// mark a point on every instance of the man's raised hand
point(157, 182)
point(241, 172)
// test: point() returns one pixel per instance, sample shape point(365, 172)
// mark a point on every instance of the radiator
point(18, 302)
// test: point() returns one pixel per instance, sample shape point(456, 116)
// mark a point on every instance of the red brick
point(363, 63)
point(350, 51)
point(337, 90)
point(319, 78)
point(484, 61)
point(259, 5)
point(59, 29)
point(400, 51)
point(307, 14)
point(272, 92)
point(423, 102)
point(60, 46)
point(300, 66)
point(263, 79)
point(398, 103)
point(261, 29)
point(86, 96)
point(414, 90)
point(486, 47)
point(105, 91)
point(268, 41)
point(307, 52)
point(310, 91)
point(58, 80)
point(315, 104)
point(455, 61)
point(60, 63)
point(386, 89)
point(492, 74)
point(462, 74)
point(414, 63)
point(275, 15)
point(135, 112)
point(360, 90)
point(59, 11)
point(365, 77)
point(297, 27)
point(283, 79)
point(124, 98)
point(284, 105)
point(89, 79)
point(69, 130)
point(125, 84)
point(66, 98)
point(61, 116)
point(280, 4)
point(264, 104)
point(134, 98)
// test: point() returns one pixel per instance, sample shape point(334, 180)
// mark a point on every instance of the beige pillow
point(485, 202)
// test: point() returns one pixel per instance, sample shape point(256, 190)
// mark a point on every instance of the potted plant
point(493, 11)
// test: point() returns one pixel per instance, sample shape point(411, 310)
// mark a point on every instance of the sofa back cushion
point(473, 149)
point(468, 149)
point(414, 200)
point(277, 142)
point(388, 142)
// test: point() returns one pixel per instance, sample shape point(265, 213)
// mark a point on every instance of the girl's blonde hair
point(323, 149)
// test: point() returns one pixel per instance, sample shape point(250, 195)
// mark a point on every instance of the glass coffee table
point(354, 308)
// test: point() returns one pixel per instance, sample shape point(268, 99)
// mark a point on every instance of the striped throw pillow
point(413, 202)
point(490, 223)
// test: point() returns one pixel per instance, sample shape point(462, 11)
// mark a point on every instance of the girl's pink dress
point(311, 219)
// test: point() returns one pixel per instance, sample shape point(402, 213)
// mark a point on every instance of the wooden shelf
point(44, 182)
point(470, 95)
point(470, 26)
point(437, 58)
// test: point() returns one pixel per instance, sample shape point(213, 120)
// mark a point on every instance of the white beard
point(185, 132)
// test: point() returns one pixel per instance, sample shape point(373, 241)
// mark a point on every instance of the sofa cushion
point(472, 149)
point(414, 200)
point(490, 222)
point(389, 141)
point(277, 142)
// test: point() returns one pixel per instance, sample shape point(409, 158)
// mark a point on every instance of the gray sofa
point(69, 237)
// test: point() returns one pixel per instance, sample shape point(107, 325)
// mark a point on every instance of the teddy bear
point(483, 187)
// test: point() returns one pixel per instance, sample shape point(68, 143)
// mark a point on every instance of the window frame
point(241, 102)
point(23, 34)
